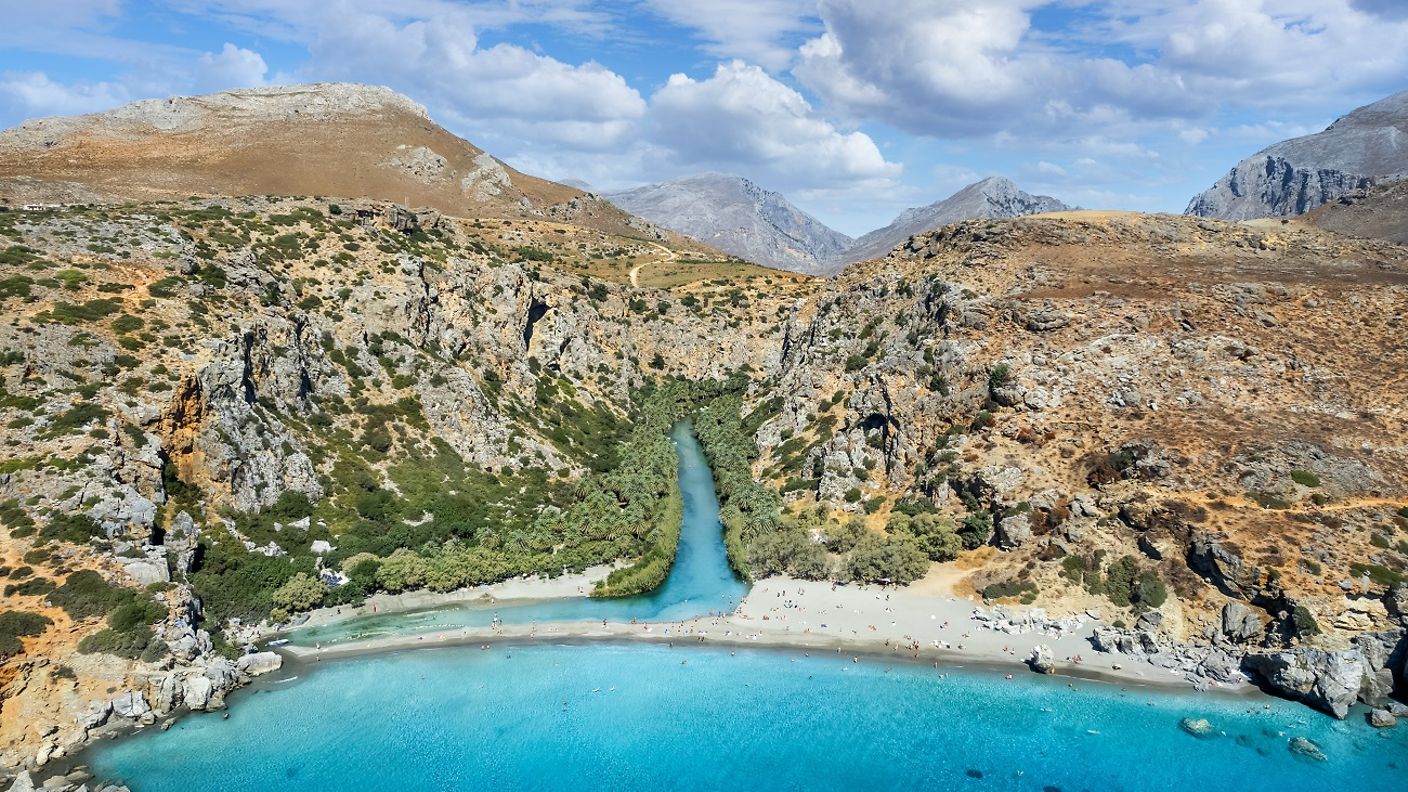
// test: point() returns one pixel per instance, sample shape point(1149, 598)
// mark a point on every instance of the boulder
point(1306, 749)
point(23, 782)
point(1382, 719)
point(131, 704)
point(150, 569)
point(1014, 531)
point(1328, 681)
point(1041, 660)
point(1198, 727)
point(1239, 622)
point(259, 663)
point(196, 692)
point(181, 541)
point(96, 715)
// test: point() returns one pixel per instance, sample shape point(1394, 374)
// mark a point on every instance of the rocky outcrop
point(1367, 146)
point(1240, 623)
point(1333, 680)
point(1041, 660)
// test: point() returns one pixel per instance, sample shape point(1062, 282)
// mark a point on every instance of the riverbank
point(577, 584)
point(919, 623)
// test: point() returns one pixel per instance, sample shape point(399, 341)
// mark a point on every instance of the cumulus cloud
point(31, 94)
point(439, 61)
point(950, 68)
point(231, 67)
point(743, 118)
point(754, 30)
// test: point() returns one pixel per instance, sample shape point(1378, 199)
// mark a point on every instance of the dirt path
point(669, 255)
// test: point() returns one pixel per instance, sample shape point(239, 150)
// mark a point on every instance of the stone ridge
point(1367, 146)
point(190, 113)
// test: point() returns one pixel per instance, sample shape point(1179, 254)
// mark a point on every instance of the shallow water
point(700, 582)
point(611, 716)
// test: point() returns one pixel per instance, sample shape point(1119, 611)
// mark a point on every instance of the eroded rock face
point(1240, 623)
point(1328, 681)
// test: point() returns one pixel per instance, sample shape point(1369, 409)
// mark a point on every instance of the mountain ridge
point(739, 217)
point(347, 139)
point(989, 198)
point(1368, 145)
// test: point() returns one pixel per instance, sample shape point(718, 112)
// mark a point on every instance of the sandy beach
point(521, 588)
point(924, 622)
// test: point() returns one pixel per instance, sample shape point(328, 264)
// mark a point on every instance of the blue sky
point(855, 109)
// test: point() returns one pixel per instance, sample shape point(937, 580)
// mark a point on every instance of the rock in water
point(260, 663)
point(1382, 719)
point(1306, 749)
point(1198, 727)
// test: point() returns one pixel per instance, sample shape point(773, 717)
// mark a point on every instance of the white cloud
point(755, 30)
point(500, 89)
point(232, 67)
point(32, 94)
point(950, 68)
point(743, 118)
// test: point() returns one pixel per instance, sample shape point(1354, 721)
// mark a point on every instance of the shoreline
point(915, 623)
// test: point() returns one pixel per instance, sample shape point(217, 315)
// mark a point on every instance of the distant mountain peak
point(992, 197)
point(738, 217)
point(1365, 147)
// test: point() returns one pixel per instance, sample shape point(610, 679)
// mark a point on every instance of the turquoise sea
point(606, 716)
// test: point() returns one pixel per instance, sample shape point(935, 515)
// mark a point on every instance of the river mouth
point(613, 716)
point(700, 583)
point(664, 711)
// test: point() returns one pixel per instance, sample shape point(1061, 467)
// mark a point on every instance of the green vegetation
point(1305, 478)
point(299, 593)
point(937, 536)
point(15, 625)
point(1026, 590)
point(896, 559)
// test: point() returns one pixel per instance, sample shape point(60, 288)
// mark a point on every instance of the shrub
point(976, 529)
point(1305, 478)
point(876, 559)
point(998, 376)
point(85, 595)
point(300, 593)
point(1304, 621)
point(1025, 589)
point(19, 624)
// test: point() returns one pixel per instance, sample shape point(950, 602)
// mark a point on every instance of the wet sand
point(919, 624)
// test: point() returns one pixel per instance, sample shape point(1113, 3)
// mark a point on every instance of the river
point(607, 716)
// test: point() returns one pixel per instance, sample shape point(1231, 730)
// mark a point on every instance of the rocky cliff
point(738, 217)
point(991, 198)
point(1368, 146)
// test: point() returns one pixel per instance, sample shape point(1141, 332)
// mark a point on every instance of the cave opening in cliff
point(536, 311)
